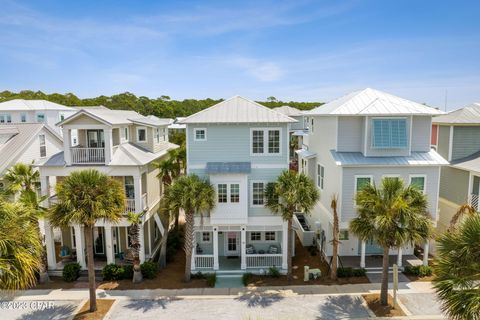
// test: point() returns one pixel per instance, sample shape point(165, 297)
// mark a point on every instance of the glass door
point(98, 240)
point(95, 139)
point(233, 244)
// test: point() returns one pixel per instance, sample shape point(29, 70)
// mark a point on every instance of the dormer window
point(5, 118)
point(142, 134)
point(200, 134)
point(389, 133)
point(125, 133)
point(40, 118)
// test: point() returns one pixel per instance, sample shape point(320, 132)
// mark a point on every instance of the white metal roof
point(467, 115)
point(372, 102)
point(32, 105)
point(306, 154)
point(238, 110)
point(289, 111)
point(431, 158)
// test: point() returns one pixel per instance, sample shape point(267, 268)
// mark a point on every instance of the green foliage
point(247, 278)
point(273, 272)
point(117, 272)
point(211, 279)
point(199, 275)
point(149, 269)
point(419, 271)
point(312, 250)
point(71, 272)
point(348, 272)
point(174, 243)
point(127, 271)
point(162, 107)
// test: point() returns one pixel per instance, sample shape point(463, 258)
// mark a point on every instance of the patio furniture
point(250, 249)
point(199, 249)
point(65, 254)
point(273, 249)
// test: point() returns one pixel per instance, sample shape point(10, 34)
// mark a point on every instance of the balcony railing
point(144, 201)
point(204, 261)
point(264, 260)
point(473, 200)
point(87, 155)
point(129, 205)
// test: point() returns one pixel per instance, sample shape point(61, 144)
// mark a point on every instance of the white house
point(359, 139)
point(123, 145)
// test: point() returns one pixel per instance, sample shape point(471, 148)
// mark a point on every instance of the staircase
point(229, 279)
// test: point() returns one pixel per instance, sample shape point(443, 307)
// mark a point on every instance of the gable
point(82, 119)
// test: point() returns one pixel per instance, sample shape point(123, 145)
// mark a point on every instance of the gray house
point(457, 138)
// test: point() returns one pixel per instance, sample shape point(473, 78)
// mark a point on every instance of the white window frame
point(40, 114)
point(44, 144)
point(255, 240)
point(251, 193)
point(355, 185)
point(60, 116)
point(157, 134)
point(424, 176)
point(265, 141)
point(312, 123)
point(343, 238)
point(125, 133)
point(138, 134)
point(274, 236)
point(227, 193)
point(209, 237)
point(195, 134)
point(5, 117)
point(322, 186)
point(22, 116)
point(408, 127)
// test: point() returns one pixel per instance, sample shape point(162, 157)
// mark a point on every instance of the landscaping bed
point(373, 302)
point(419, 273)
point(103, 306)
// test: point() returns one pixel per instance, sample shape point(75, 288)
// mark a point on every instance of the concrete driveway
point(38, 310)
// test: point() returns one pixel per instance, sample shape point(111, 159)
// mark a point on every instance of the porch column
point(109, 244)
point(243, 248)
point(80, 242)
point(285, 245)
point(107, 134)
point(425, 253)
point(149, 232)
point(141, 235)
point(399, 257)
point(362, 254)
point(44, 189)
point(193, 265)
point(50, 244)
point(215, 248)
point(66, 146)
point(137, 186)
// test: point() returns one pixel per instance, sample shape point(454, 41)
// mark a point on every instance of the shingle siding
point(454, 186)
point(466, 141)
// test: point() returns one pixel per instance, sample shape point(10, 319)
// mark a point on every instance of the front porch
point(375, 261)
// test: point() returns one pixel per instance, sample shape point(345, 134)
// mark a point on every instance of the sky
point(426, 51)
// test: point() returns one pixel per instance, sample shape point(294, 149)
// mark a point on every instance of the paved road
point(38, 309)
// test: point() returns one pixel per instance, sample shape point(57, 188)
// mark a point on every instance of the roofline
point(79, 113)
point(149, 124)
point(391, 165)
point(370, 114)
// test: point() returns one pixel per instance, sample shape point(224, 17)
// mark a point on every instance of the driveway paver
point(38, 309)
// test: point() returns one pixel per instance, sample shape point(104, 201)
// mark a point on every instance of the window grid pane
point(222, 193)
point(418, 182)
point(270, 236)
point(258, 193)
point(273, 141)
point(235, 193)
point(255, 236)
point(200, 134)
point(389, 133)
point(257, 141)
point(362, 183)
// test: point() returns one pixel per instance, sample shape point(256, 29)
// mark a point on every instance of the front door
point(95, 139)
point(232, 244)
point(371, 247)
point(98, 240)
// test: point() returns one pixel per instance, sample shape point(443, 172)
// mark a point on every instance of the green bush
point(419, 271)
point(127, 271)
point(273, 272)
point(198, 275)
point(345, 272)
point(359, 272)
point(211, 279)
point(247, 278)
point(174, 243)
point(149, 269)
point(112, 272)
point(71, 272)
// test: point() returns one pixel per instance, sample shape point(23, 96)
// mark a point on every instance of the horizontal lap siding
point(421, 130)
point(350, 134)
point(466, 141)
point(454, 185)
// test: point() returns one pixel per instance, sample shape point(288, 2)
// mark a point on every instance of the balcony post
point(215, 248)
point(362, 254)
point(243, 246)
point(141, 239)
point(109, 244)
point(137, 186)
point(107, 133)
point(426, 246)
point(50, 244)
point(80, 243)
point(44, 189)
point(66, 146)
point(285, 245)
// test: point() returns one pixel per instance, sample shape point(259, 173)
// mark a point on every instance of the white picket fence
point(264, 260)
point(87, 155)
point(204, 261)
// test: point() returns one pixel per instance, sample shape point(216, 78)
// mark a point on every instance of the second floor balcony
point(82, 155)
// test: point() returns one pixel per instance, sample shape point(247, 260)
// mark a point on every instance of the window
point(222, 192)
point(235, 192)
point(141, 134)
point(200, 134)
point(273, 141)
point(304, 166)
point(5, 118)
point(43, 147)
point(343, 235)
point(362, 182)
point(270, 236)
point(62, 117)
point(320, 176)
point(389, 133)
point(23, 117)
point(158, 135)
point(257, 141)
point(255, 236)
point(40, 117)
point(125, 133)
point(418, 182)
point(258, 193)
point(311, 126)
point(129, 187)
point(206, 237)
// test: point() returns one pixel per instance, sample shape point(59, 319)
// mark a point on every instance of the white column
point(109, 244)
point(142, 243)
point(137, 185)
point(362, 254)
point(425, 253)
point(193, 265)
point(80, 241)
point(44, 189)
point(66, 146)
point(50, 244)
point(399, 257)
point(107, 134)
point(285, 245)
point(149, 231)
point(215, 248)
point(243, 246)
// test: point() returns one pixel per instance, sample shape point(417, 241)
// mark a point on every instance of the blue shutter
point(389, 133)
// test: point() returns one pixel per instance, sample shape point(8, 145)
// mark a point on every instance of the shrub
point(174, 243)
point(112, 272)
point(198, 275)
point(419, 271)
point(359, 272)
point(273, 272)
point(149, 269)
point(71, 272)
point(247, 278)
point(127, 271)
point(345, 272)
point(211, 279)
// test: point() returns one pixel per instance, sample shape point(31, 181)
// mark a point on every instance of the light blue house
point(239, 146)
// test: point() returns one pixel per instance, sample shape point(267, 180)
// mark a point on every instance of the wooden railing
point(264, 260)
point(129, 205)
point(87, 155)
point(204, 261)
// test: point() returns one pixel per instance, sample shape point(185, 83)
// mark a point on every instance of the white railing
point(306, 236)
point(87, 155)
point(204, 261)
point(129, 205)
point(52, 200)
point(473, 200)
point(144, 201)
point(264, 260)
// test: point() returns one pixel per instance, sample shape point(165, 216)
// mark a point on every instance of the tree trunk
point(177, 214)
point(188, 244)
point(333, 271)
point(289, 250)
point(91, 268)
point(162, 259)
point(384, 288)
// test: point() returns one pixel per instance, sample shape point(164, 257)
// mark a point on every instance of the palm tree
point(194, 196)
point(168, 170)
point(22, 178)
point(83, 198)
point(292, 192)
point(464, 210)
point(135, 220)
point(457, 270)
point(391, 216)
point(20, 247)
point(335, 241)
